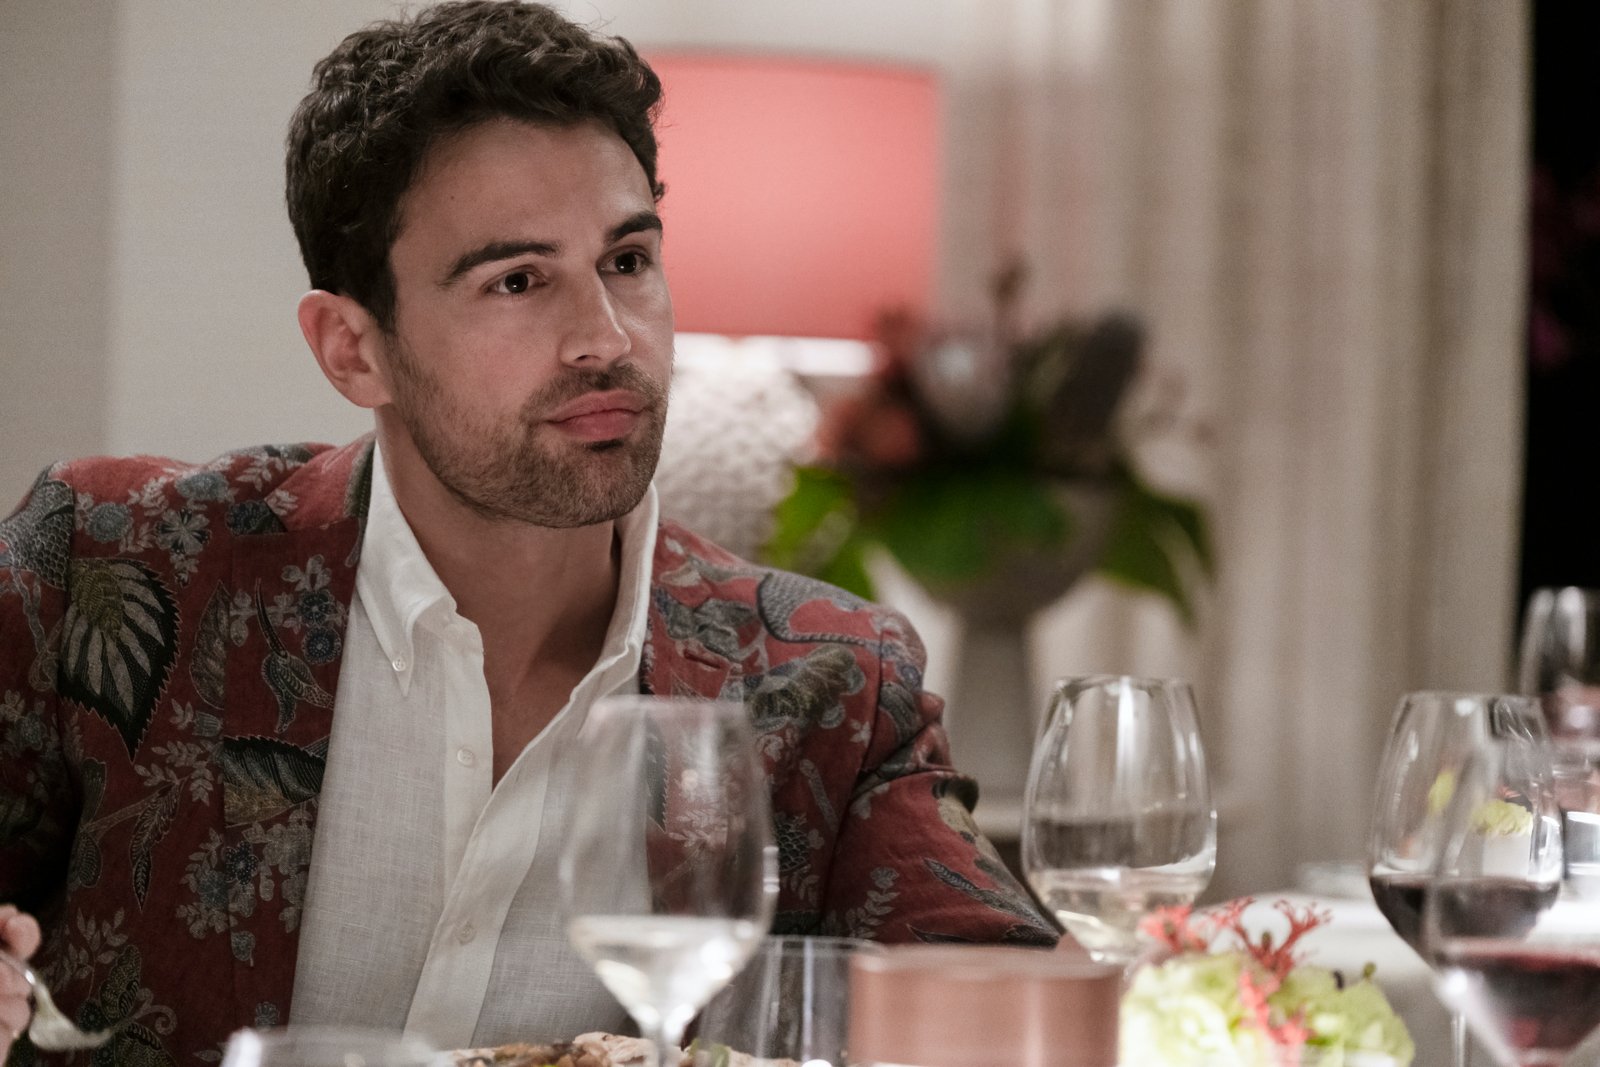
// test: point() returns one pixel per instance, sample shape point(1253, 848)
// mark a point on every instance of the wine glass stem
point(662, 1038)
point(1460, 1054)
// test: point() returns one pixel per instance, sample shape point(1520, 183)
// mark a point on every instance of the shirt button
point(466, 932)
point(465, 757)
point(399, 664)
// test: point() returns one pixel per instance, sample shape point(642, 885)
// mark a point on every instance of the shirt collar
point(399, 587)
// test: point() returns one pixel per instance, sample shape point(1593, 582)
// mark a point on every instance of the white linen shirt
point(433, 903)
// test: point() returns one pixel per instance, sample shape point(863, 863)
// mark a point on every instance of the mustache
point(579, 383)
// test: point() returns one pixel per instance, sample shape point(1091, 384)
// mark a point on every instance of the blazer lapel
point(676, 661)
point(290, 592)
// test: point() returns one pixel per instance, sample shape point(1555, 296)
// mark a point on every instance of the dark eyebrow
point(637, 223)
point(497, 250)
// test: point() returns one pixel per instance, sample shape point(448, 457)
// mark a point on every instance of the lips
point(603, 416)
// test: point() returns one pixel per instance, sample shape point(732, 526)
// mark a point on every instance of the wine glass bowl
point(1559, 662)
point(1118, 818)
point(1431, 739)
point(669, 874)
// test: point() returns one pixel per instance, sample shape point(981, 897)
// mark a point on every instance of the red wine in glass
point(1485, 907)
point(1399, 897)
point(1544, 997)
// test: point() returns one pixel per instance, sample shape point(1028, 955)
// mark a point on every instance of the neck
point(539, 596)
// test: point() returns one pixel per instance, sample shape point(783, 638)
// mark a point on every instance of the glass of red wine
point(1433, 737)
point(1513, 954)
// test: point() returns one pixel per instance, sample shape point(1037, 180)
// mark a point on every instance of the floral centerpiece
point(1254, 1003)
point(999, 458)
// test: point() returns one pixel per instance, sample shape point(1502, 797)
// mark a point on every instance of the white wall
point(150, 273)
point(56, 130)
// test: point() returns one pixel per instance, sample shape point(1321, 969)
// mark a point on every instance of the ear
point(348, 343)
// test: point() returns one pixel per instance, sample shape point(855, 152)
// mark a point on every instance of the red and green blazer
point(170, 640)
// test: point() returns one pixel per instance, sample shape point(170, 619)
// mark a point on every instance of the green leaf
point(813, 523)
point(1152, 540)
point(953, 524)
point(848, 568)
point(1189, 520)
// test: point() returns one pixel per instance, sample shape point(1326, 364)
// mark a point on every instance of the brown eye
point(519, 282)
point(630, 263)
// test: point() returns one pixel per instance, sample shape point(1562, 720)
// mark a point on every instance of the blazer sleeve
point(37, 805)
point(909, 863)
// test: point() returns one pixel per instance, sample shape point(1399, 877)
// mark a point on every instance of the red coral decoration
point(1182, 930)
point(1171, 927)
point(1291, 1033)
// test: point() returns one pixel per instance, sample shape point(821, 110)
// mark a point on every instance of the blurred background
point(1318, 212)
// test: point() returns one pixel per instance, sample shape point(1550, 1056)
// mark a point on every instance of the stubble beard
point(523, 470)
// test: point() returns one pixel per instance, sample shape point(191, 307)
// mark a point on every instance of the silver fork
point(50, 1029)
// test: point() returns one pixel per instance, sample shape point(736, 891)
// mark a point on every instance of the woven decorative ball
point(737, 424)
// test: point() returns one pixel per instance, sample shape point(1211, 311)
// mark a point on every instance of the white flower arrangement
point(1255, 1004)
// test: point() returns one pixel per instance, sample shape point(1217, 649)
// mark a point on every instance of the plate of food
point(585, 1050)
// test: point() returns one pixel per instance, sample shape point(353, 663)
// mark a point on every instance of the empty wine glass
point(1432, 737)
point(328, 1046)
point(669, 875)
point(1521, 965)
point(1117, 817)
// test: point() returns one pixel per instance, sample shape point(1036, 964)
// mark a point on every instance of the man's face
point(532, 341)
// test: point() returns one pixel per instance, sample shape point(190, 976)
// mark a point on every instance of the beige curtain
point(1318, 208)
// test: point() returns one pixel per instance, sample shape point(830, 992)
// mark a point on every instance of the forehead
point(504, 178)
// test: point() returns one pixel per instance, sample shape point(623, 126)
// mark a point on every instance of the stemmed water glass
point(669, 874)
point(1433, 736)
point(1520, 960)
point(1117, 818)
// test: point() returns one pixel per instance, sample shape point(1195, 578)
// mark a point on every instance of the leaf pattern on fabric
point(264, 777)
point(863, 921)
point(122, 995)
point(809, 690)
point(136, 1046)
point(1007, 902)
point(119, 641)
point(120, 990)
point(208, 667)
point(148, 829)
point(287, 675)
point(84, 869)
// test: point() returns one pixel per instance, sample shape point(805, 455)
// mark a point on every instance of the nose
point(594, 337)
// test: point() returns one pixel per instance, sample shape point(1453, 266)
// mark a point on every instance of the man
point(290, 734)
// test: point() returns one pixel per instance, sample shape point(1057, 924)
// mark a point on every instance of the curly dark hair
point(389, 92)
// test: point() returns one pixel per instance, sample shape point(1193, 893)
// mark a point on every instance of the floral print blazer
point(170, 641)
